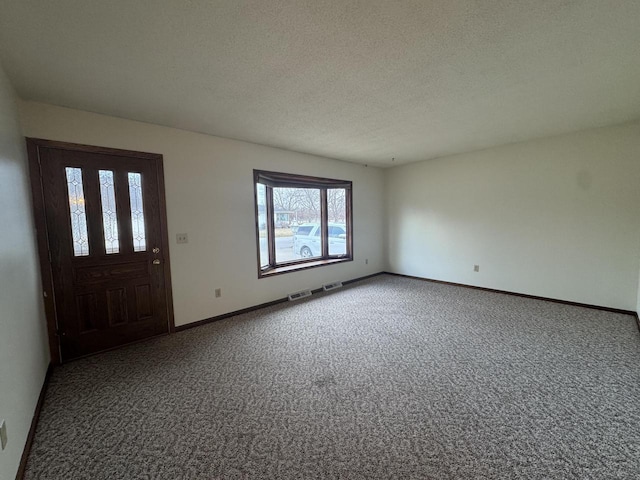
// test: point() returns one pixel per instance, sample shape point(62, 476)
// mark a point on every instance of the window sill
point(301, 266)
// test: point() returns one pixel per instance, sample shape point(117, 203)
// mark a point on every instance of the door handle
point(156, 262)
point(155, 250)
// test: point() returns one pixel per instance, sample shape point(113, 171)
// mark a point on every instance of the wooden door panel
point(108, 275)
point(111, 272)
point(87, 313)
point(144, 302)
point(117, 310)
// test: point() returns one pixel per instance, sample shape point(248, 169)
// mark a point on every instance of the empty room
point(323, 239)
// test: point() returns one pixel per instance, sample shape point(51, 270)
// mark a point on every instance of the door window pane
point(337, 213)
point(297, 213)
point(261, 191)
point(137, 212)
point(109, 215)
point(78, 212)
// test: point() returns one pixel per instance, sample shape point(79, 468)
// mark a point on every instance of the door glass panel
point(78, 212)
point(109, 216)
point(337, 214)
point(137, 212)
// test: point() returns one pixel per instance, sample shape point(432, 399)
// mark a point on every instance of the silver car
point(307, 240)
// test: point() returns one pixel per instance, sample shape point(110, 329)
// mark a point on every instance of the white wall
point(555, 217)
point(24, 354)
point(209, 189)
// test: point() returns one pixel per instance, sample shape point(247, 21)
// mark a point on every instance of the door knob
point(156, 250)
point(156, 262)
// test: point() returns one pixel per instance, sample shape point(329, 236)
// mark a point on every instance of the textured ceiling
point(361, 81)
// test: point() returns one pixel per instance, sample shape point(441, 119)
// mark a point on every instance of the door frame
point(42, 235)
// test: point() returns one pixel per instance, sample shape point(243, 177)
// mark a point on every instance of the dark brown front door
point(106, 242)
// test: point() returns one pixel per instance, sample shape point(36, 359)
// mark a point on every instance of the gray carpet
point(387, 378)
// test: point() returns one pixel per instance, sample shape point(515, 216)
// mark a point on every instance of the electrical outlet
point(182, 238)
point(366, 261)
point(476, 268)
point(218, 292)
point(3, 434)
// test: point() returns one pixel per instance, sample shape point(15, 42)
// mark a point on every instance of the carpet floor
point(386, 378)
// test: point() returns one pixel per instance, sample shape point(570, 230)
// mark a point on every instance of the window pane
point(262, 224)
point(137, 212)
point(337, 212)
point(310, 221)
point(302, 230)
point(298, 210)
point(109, 216)
point(78, 212)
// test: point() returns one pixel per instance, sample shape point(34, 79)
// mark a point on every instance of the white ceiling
point(362, 81)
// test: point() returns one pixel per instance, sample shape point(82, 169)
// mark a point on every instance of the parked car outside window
point(307, 244)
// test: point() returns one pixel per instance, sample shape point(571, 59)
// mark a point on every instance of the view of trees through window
point(298, 231)
point(261, 199)
point(294, 207)
point(337, 214)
